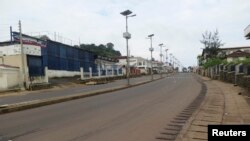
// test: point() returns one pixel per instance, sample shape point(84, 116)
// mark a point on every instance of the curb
point(39, 103)
point(186, 126)
point(9, 90)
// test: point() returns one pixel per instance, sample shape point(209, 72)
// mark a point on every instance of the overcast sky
point(178, 24)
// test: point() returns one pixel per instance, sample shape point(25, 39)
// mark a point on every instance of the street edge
point(39, 103)
point(190, 120)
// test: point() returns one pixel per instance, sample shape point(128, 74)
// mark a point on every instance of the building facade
point(44, 59)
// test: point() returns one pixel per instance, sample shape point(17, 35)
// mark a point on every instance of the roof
point(238, 53)
point(106, 58)
point(48, 41)
point(25, 35)
point(6, 43)
point(232, 48)
point(121, 57)
point(229, 48)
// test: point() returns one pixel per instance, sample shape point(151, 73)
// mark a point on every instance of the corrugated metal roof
point(239, 53)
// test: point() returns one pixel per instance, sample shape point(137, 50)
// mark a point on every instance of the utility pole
point(127, 36)
point(151, 49)
point(24, 82)
point(167, 59)
point(161, 45)
point(11, 39)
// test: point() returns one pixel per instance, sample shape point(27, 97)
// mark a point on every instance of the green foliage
point(216, 61)
point(102, 50)
point(236, 62)
point(212, 62)
point(224, 62)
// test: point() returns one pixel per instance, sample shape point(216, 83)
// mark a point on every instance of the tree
point(110, 46)
point(184, 69)
point(212, 43)
point(102, 50)
point(200, 59)
point(190, 69)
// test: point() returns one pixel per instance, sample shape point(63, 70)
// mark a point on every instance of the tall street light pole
point(161, 45)
point(170, 59)
point(24, 83)
point(167, 59)
point(127, 36)
point(151, 49)
point(174, 62)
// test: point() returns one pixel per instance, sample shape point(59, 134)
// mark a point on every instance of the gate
point(35, 65)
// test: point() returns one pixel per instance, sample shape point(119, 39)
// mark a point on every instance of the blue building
point(46, 58)
point(58, 57)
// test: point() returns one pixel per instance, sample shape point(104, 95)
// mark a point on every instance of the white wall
point(62, 73)
point(9, 78)
point(230, 59)
point(16, 49)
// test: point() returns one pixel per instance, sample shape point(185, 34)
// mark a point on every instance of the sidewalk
point(27, 96)
point(222, 105)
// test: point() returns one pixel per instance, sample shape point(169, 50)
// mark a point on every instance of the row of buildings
point(41, 59)
point(230, 55)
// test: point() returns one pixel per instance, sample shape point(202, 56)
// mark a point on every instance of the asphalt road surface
point(134, 114)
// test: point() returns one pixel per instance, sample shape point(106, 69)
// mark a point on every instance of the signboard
point(28, 40)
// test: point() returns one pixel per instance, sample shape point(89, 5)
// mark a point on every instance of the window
point(248, 70)
point(232, 68)
point(221, 67)
point(241, 69)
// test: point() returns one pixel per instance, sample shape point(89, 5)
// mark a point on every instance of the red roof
point(239, 53)
point(121, 57)
point(231, 48)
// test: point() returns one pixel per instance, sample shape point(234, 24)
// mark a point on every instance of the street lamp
point(167, 59)
point(166, 55)
point(171, 59)
point(127, 36)
point(161, 45)
point(151, 49)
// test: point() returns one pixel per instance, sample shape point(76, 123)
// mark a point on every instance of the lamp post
point(170, 59)
point(151, 49)
point(173, 59)
point(127, 36)
point(167, 59)
point(161, 45)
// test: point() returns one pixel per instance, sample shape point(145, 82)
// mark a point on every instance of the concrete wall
point(13, 60)
point(231, 59)
point(234, 77)
point(16, 61)
point(9, 78)
point(62, 73)
point(15, 49)
point(38, 79)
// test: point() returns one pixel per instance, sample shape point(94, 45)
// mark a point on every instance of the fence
point(58, 56)
point(235, 74)
point(10, 78)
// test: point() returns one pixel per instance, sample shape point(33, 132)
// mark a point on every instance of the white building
point(140, 63)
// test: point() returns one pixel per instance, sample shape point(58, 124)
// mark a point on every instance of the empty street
point(135, 114)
